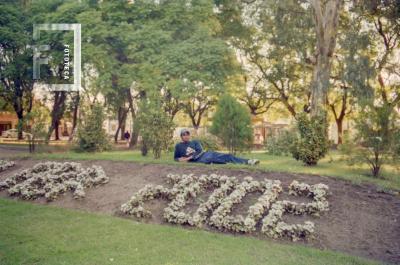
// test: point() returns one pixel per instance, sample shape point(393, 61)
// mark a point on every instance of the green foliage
point(208, 142)
point(91, 134)
point(312, 143)
point(37, 119)
point(165, 48)
point(377, 141)
point(281, 143)
point(396, 144)
point(232, 124)
point(5, 105)
point(16, 59)
point(287, 29)
point(155, 127)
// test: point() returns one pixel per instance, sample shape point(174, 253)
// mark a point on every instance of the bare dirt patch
point(361, 220)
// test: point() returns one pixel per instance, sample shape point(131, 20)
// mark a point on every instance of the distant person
point(127, 136)
point(191, 151)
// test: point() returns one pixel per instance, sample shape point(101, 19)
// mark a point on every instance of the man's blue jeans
point(219, 158)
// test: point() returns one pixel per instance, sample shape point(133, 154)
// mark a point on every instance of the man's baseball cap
point(185, 131)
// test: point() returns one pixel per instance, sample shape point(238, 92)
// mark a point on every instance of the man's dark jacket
point(186, 149)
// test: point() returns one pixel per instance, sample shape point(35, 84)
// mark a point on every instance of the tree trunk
point(144, 150)
point(120, 110)
point(123, 128)
point(326, 23)
point(320, 85)
point(123, 125)
point(195, 123)
point(74, 117)
point(339, 124)
point(135, 129)
point(19, 107)
point(57, 113)
point(116, 134)
point(19, 93)
point(57, 131)
point(375, 171)
point(376, 166)
point(339, 118)
point(134, 136)
point(31, 141)
point(20, 116)
point(196, 130)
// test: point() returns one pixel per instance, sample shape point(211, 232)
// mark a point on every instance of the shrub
point(280, 144)
point(377, 141)
point(155, 127)
point(38, 119)
point(232, 124)
point(311, 144)
point(91, 135)
point(208, 142)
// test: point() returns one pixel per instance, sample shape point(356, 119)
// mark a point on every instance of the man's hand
point(184, 159)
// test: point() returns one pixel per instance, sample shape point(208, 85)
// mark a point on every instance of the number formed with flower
point(227, 192)
point(50, 179)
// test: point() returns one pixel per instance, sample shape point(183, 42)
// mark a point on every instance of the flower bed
point(4, 164)
point(174, 213)
point(223, 221)
point(135, 204)
point(50, 179)
point(227, 192)
point(184, 187)
point(273, 224)
point(271, 190)
point(205, 209)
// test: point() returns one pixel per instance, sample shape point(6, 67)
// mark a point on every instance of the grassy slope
point(330, 166)
point(32, 234)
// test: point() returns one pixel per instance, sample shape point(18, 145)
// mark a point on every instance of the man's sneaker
point(253, 162)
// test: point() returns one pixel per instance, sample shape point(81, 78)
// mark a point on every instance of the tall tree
point(15, 59)
point(326, 21)
point(274, 40)
point(350, 63)
point(378, 90)
point(257, 96)
point(57, 12)
point(381, 85)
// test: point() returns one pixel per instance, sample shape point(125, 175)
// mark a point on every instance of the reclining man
point(191, 151)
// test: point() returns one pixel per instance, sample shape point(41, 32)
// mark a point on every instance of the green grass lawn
point(332, 165)
point(44, 235)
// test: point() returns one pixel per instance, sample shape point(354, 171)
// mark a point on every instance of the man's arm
point(198, 148)
point(176, 153)
point(184, 159)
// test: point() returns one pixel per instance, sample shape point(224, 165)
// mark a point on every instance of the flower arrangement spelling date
point(226, 192)
point(50, 179)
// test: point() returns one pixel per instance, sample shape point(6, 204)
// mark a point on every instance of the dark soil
point(361, 220)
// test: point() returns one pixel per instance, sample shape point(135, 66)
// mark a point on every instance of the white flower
point(272, 224)
point(228, 192)
point(4, 165)
point(50, 179)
